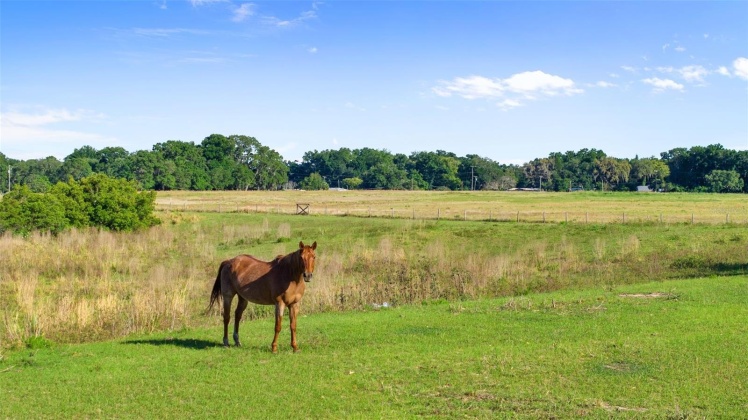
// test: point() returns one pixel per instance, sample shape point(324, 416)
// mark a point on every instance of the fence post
point(727, 218)
point(414, 213)
point(624, 217)
point(393, 212)
point(490, 215)
point(691, 218)
point(465, 216)
point(586, 217)
point(660, 217)
point(517, 217)
point(566, 217)
point(543, 217)
point(438, 213)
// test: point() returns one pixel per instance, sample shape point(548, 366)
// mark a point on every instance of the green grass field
point(486, 318)
point(673, 349)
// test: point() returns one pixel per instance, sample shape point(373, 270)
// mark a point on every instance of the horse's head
point(307, 257)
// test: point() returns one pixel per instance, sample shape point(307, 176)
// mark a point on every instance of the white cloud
point(661, 85)
point(312, 50)
point(244, 11)
point(723, 71)
point(28, 135)
point(472, 87)
point(304, 16)
point(197, 3)
point(529, 85)
point(740, 66)
point(604, 84)
point(530, 82)
point(508, 104)
point(680, 49)
point(693, 73)
point(629, 69)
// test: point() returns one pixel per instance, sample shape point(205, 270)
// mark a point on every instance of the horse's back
point(250, 277)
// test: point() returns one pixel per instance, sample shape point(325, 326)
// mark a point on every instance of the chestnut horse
point(277, 282)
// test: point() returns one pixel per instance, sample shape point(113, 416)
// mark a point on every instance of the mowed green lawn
point(674, 348)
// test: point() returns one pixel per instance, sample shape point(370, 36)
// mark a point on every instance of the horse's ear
point(301, 244)
point(314, 245)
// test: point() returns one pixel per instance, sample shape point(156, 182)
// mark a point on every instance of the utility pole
point(472, 178)
point(541, 183)
point(9, 168)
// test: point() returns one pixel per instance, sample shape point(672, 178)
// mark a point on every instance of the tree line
point(239, 162)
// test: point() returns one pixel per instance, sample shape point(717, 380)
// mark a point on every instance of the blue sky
point(511, 81)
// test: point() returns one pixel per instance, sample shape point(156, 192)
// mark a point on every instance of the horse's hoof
point(296, 350)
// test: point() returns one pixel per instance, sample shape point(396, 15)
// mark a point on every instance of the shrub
point(98, 201)
point(23, 211)
point(116, 204)
point(314, 182)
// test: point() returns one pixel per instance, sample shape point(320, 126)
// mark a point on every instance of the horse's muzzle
point(307, 277)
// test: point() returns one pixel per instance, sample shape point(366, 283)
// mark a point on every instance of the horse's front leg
point(293, 312)
point(280, 307)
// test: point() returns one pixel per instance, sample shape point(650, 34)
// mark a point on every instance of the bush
point(115, 203)
point(314, 182)
point(23, 211)
point(98, 201)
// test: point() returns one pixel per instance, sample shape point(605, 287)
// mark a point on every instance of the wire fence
point(486, 215)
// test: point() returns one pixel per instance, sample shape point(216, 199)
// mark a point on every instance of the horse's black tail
point(216, 293)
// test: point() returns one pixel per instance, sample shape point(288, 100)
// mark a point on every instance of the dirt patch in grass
point(653, 295)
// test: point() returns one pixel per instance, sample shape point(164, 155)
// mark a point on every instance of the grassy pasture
point(92, 285)
point(579, 207)
point(672, 349)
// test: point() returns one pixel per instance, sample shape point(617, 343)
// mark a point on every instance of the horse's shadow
point(188, 343)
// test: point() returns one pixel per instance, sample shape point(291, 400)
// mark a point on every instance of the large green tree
point(439, 169)
point(649, 170)
point(190, 166)
point(611, 172)
point(724, 181)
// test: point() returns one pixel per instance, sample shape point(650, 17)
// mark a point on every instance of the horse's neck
point(292, 264)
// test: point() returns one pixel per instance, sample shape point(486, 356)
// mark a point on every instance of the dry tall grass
point(87, 285)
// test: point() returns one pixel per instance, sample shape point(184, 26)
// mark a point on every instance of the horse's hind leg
point(226, 317)
point(240, 307)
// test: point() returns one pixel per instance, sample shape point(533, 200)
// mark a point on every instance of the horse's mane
point(288, 259)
